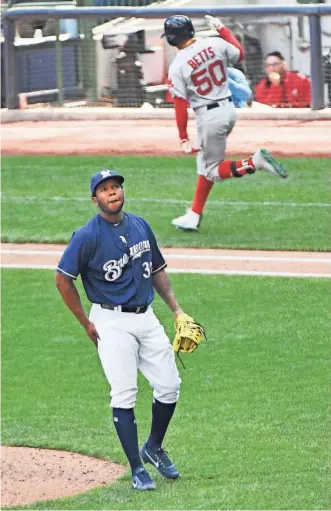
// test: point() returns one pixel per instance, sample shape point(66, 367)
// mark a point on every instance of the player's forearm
point(229, 37)
point(162, 286)
point(71, 298)
point(180, 105)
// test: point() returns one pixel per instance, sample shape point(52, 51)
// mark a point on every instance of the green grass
point(251, 428)
point(46, 198)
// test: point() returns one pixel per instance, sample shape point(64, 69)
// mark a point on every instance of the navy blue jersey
point(115, 262)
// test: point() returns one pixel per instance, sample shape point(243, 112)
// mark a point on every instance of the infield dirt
point(159, 137)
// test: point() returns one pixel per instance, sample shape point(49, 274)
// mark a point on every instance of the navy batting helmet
point(177, 29)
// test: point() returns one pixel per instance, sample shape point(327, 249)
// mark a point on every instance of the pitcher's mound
point(30, 474)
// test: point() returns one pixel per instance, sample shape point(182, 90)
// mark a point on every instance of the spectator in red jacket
point(282, 88)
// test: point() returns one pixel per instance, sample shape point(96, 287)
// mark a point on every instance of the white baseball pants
point(130, 342)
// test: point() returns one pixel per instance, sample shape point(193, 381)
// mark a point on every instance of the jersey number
point(205, 79)
point(147, 270)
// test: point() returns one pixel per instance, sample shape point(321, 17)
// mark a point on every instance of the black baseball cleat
point(141, 480)
point(159, 458)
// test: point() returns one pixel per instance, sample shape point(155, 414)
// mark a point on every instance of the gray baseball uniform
point(199, 74)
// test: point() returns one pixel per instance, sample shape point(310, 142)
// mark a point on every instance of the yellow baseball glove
point(189, 334)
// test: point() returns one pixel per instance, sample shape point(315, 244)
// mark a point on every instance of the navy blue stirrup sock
point(126, 427)
point(162, 413)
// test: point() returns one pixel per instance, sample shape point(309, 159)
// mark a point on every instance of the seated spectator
point(282, 88)
point(239, 87)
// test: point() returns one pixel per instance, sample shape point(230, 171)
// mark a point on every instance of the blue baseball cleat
point(141, 480)
point(159, 458)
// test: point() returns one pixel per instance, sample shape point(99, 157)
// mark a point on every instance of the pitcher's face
point(109, 197)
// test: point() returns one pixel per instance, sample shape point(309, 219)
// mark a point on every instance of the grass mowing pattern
point(30, 212)
point(250, 430)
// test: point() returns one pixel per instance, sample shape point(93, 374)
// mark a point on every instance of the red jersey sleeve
point(229, 37)
point(181, 114)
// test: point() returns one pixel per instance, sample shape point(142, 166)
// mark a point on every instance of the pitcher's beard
point(111, 212)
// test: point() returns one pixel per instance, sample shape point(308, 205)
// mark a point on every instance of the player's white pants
point(213, 128)
point(130, 342)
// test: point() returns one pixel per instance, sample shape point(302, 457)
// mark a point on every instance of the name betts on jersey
point(201, 57)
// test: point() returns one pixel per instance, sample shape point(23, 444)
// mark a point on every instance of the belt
point(203, 108)
point(216, 105)
point(122, 308)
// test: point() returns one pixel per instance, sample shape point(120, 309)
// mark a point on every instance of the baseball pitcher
point(120, 265)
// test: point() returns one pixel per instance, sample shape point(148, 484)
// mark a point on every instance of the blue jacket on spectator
point(239, 87)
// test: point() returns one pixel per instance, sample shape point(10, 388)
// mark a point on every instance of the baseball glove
point(189, 334)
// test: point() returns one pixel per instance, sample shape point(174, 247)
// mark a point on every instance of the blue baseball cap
point(103, 175)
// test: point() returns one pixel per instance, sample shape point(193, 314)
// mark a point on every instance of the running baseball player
point(120, 265)
point(198, 77)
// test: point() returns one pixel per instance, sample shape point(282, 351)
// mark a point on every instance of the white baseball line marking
point(175, 201)
point(32, 252)
point(257, 273)
point(204, 272)
point(246, 258)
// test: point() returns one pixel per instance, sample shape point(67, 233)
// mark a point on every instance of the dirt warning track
point(192, 260)
point(159, 137)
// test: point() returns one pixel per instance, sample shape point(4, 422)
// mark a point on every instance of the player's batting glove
point(214, 22)
point(187, 146)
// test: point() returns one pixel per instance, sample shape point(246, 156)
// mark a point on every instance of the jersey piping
point(66, 273)
point(159, 269)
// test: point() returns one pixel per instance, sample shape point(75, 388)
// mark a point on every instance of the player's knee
point(167, 395)
point(213, 175)
point(123, 398)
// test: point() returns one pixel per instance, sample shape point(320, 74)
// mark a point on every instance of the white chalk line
point(174, 201)
point(32, 252)
point(29, 266)
point(186, 257)
point(205, 272)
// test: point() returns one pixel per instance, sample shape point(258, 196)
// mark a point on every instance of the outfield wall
point(256, 112)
